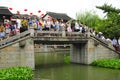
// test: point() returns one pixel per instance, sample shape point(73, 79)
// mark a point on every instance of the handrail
point(10, 43)
point(39, 33)
point(103, 43)
point(99, 40)
point(14, 38)
point(77, 34)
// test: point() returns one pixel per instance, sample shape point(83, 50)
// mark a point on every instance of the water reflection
point(75, 72)
point(51, 67)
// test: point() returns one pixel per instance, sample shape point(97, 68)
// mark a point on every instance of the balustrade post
point(63, 33)
point(31, 29)
point(88, 34)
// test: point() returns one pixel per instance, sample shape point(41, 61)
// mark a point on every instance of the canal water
point(50, 66)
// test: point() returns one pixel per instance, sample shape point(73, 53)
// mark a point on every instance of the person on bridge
point(24, 25)
point(18, 25)
point(119, 43)
point(2, 31)
point(115, 44)
point(40, 24)
point(69, 27)
point(77, 26)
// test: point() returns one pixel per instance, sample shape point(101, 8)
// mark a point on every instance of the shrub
point(16, 73)
point(67, 59)
point(108, 63)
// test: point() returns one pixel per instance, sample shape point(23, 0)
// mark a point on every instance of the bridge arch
point(83, 48)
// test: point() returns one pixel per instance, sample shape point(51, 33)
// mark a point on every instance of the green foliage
point(108, 8)
point(107, 63)
point(89, 18)
point(110, 25)
point(67, 59)
point(17, 73)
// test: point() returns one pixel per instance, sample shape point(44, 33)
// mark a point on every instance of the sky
point(70, 7)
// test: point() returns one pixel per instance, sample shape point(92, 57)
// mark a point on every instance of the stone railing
point(38, 33)
point(105, 44)
point(13, 39)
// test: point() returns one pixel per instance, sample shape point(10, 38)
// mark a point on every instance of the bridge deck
point(47, 37)
point(57, 37)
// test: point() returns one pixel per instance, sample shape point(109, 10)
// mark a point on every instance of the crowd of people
point(112, 42)
point(12, 27)
point(116, 43)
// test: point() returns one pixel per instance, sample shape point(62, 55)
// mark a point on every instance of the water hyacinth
point(16, 73)
point(67, 59)
point(108, 63)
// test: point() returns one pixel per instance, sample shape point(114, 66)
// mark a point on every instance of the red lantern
point(18, 12)
point(31, 13)
point(42, 14)
point(39, 11)
point(10, 8)
point(25, 10)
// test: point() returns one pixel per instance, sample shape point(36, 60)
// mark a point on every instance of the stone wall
point(22, 53)
point(78, 53)
point(86, 53)
point(99, 52)
point(14, 55)
point(10, 56)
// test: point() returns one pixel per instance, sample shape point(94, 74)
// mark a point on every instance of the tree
point(108, 8)
point(110, 25)
point(89, 18)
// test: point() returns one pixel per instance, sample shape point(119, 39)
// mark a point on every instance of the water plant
point(67, 59)
point(108, 63)
point(16, 73)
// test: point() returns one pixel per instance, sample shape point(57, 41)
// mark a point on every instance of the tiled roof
point(24, 15)
point(4, 11)
point(58, 15)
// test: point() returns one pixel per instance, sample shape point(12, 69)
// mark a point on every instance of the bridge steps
point(14, 39)
point(99, 41)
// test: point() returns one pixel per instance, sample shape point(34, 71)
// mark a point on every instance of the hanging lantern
point(25, 10)
point(39, 11)
point(10, 8)
point(31, 13)
point(42, 15)
point(18, 12)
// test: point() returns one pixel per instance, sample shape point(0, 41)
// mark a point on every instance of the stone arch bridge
point(85, 48)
